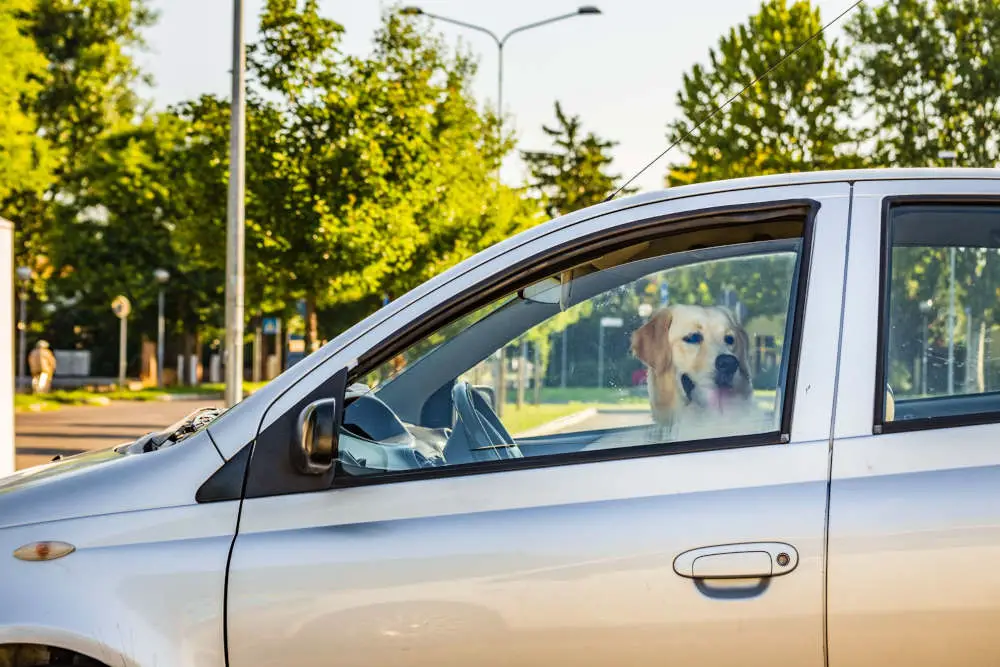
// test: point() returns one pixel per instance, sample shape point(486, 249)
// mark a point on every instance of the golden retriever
point(698, 371)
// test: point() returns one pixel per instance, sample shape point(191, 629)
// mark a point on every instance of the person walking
point(42, 363)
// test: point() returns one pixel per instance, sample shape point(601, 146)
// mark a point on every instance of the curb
point(568, 420)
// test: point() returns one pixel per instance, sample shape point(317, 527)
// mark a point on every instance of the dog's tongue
point(718, 398)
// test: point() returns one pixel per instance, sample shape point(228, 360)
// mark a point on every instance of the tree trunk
point(981, 359)
point(312, 325)
point(522, 372)
point(537, 375)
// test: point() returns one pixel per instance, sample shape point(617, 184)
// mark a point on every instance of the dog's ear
point(649, 342)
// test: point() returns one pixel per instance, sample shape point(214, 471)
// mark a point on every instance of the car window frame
point(262, 466)
point(536, 267)
point(879, 424)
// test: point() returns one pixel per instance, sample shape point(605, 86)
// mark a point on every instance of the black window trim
point(879, 424)
point(555, 259)
point(648, 228)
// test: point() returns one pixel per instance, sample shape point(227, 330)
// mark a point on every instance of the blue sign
point(271, 325)
point(385, 299)
point(664, 294)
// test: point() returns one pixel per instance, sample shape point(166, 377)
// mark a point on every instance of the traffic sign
point(271, 326)
point(664, 294)
point(121, 306)
point(612, 322)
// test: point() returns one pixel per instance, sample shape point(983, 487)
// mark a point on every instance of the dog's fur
point(698, 372)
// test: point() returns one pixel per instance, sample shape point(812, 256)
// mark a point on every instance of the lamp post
point(234, 217)
point(585, 10)
point(23, 278)
point(925, 309)
point(161, 276)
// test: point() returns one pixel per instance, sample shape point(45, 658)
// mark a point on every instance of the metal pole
point(499, 105)
point(22, 333)
point(562, 374)
point(522, 371)
point(234, 218)
point(501, 381)
point(600, 356)
point(122, 333)
point(923, 367)
point(951, 325)
point(968, 351)
point(160, 328)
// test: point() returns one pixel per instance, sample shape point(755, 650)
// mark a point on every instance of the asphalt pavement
point(41, 435)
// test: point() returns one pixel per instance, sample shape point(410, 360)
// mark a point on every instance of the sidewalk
point(70, 430)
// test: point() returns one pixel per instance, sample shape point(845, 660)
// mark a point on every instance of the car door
point(608, 549)
point(915, 490)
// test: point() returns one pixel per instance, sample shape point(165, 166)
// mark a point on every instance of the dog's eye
point(729, 339)
point(693, 338)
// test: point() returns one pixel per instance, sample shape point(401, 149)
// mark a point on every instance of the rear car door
point(915, 490)
point(590, 539)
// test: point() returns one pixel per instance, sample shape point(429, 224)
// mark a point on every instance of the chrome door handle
point(749, 560)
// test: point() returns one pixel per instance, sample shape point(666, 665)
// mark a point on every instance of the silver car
point(488, 471)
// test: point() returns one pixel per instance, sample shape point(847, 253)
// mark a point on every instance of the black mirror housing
point(314, 449)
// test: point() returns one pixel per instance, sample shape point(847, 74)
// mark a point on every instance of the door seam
point(833, 424)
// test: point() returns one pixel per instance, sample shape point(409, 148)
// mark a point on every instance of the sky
point(619, 71)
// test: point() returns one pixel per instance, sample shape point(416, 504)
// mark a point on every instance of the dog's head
point(697, 357)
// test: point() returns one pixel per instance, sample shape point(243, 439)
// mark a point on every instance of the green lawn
point(532, 416)
point(608, 395)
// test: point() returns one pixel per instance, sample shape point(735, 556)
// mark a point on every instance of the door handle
point(749, 560)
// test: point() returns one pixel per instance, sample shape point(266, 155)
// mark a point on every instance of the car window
point(634, 349)
point(941, 348)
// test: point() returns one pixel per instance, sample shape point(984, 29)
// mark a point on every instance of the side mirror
point(314, 449)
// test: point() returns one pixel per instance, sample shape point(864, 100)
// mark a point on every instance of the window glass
point(941, 346)
point(629, 350)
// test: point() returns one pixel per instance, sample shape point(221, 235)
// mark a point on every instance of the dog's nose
point(726, 366)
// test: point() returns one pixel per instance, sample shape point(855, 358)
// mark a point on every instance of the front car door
point(915, 490)
point(439, 540)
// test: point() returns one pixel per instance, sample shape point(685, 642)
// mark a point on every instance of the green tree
point(574, 174)
point(929, 73)
point(25, 156)
point(796, 119)
point(88, 93)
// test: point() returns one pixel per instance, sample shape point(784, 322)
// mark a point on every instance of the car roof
point(812, 177)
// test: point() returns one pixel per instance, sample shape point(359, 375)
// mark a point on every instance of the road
point(70, 430)
point(41, 435)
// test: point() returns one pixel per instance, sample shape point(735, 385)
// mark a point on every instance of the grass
point(63, 397)
point(532, 416)
point(589, 395)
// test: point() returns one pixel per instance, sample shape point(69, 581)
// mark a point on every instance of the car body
point(344, 513)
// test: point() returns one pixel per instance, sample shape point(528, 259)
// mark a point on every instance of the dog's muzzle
point(726, 368)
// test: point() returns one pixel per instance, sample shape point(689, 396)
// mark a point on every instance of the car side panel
point(142, 588)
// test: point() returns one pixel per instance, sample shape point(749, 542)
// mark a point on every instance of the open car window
point(637, 349)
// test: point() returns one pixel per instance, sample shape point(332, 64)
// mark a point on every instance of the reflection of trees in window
point(921, 275)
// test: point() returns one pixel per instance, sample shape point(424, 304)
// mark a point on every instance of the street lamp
point(585, 10)
point(925, 309)
point(235, 229)
point(161, 276)
point(24, 278)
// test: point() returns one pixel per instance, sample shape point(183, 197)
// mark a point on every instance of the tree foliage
point(929, 73)
point(25, 156)
point(574, 174)
point(796, 119)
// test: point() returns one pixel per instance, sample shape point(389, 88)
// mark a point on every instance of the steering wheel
point(483, 428)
